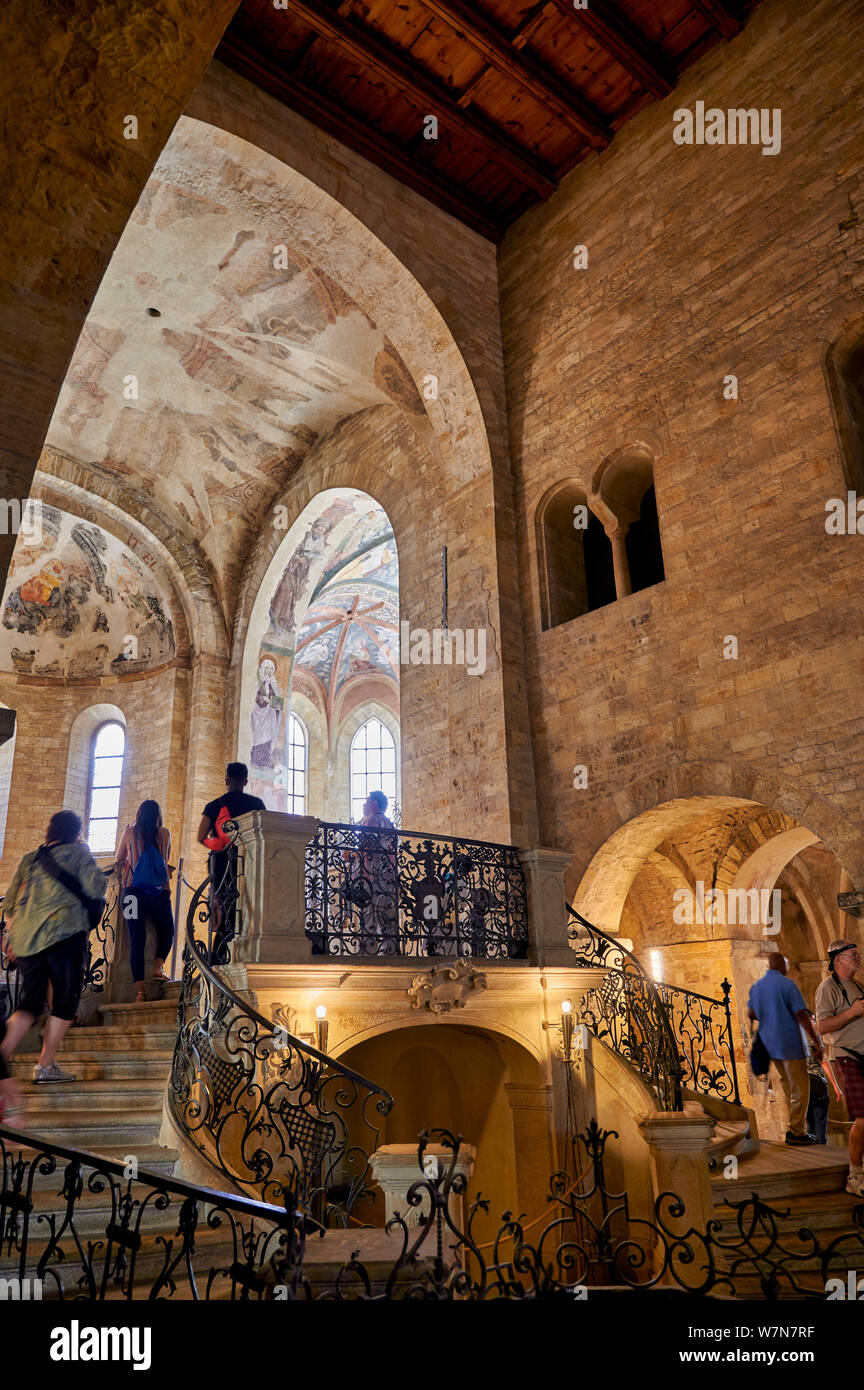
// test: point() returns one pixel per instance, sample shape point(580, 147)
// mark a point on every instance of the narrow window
point(298, 745)
point(644, 552)
point(106, 774)
point(373, 765)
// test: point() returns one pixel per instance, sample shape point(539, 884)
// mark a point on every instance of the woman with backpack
point(142, 862)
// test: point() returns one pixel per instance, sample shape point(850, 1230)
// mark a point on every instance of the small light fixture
point(566, 1028)
point(321, 1027)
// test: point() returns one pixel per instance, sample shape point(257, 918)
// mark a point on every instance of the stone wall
point(703, 262)
point(156, 711)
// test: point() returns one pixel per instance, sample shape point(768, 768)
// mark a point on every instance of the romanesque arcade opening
point(319, 708)
point(704, 889)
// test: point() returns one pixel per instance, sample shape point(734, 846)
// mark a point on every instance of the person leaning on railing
point(54, 893)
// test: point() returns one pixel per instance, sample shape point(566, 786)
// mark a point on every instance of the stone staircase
point(112, 1109)
point(805, 1187)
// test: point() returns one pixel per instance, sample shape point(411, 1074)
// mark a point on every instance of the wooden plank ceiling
point(522, 90)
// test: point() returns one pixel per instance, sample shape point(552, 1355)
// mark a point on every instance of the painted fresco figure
point(266, 714)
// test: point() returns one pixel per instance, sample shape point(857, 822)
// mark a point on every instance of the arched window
point(577, 573)
point(373, 764)
point(106, 774)
point(844, 366)
point(8, 731)
point(298, 745)
point(644, 552)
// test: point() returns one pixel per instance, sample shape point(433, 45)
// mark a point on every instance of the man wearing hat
point(840, 1018)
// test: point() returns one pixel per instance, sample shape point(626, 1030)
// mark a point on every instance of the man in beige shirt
point(840, 1019)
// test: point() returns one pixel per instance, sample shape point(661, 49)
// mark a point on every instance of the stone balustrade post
point(677, 1143)
point(395, 1169)
point(271, 886)
point(548, 920)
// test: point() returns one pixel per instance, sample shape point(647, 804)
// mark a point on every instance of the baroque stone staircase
point(804, 1186)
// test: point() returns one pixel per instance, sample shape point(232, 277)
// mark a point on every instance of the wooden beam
point(720, 16)
point(617, 37)
point(365, 48)
point(523, 70)
point(337, 121)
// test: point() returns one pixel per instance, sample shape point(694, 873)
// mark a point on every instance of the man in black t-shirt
point(223, 862)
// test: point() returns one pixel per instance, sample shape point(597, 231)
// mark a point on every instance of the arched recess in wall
point(325, 623)
point(844, 371)
point(623, 488)
point(576, 566)
point(84, 728)
point(8, 732)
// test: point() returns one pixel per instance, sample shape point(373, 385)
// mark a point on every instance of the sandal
point(141, 996)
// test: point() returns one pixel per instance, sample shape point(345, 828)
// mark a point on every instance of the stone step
point(96, 1066)
point(780, 1171)
point(150, 1157)
point(214, 1249)
point(162, 1012)
point(131, 1041)
point(78, 1128)
point(52, 1097)
point(821, 1213)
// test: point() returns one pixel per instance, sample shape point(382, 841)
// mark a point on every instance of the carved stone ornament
point(445, 987)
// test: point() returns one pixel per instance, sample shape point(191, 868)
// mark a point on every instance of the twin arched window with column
point(597, 545)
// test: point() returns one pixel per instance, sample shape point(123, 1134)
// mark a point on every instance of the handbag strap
point(69, 881)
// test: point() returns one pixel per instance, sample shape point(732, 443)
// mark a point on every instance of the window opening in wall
point(644, 553)
point(845, 367)
point(298, 745)
point(373, 764)
point(106, 774)
point(599, 566)
point(655, 964)
point(7, 757)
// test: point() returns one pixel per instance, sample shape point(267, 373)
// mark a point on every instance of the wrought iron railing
point(648, 1020)
point(402, 893)
point(626, 1012)
point(677, 1039)
point(268, 1110)
point(100, 947)
point(116, 1232)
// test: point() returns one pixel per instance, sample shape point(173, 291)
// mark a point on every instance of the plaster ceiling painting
point(216, 355)
point(78, 602)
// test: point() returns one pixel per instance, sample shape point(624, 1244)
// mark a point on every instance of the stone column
point(548, 921)
point(395, 1169)
point(677, 1143)
point(272, 888)
point(618, 537)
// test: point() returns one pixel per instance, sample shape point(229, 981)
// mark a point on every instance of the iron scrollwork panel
point(379, 892)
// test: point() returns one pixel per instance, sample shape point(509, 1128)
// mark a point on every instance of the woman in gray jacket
point(47, 932)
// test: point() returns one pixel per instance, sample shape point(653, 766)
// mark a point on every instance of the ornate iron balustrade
point(144, 1236)
point(133, 1237)
point(640, 1018)
point(100, 944)
point(591, 1240)
point(268, 1110)
point(401, 893)
point(626, 1012)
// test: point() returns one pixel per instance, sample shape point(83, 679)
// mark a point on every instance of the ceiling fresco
point(78, 602)
point(215, 356)
point(333, 613)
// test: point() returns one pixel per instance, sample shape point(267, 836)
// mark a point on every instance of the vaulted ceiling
point(521, 90)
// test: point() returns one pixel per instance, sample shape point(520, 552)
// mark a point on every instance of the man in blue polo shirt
point(777, 1005)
